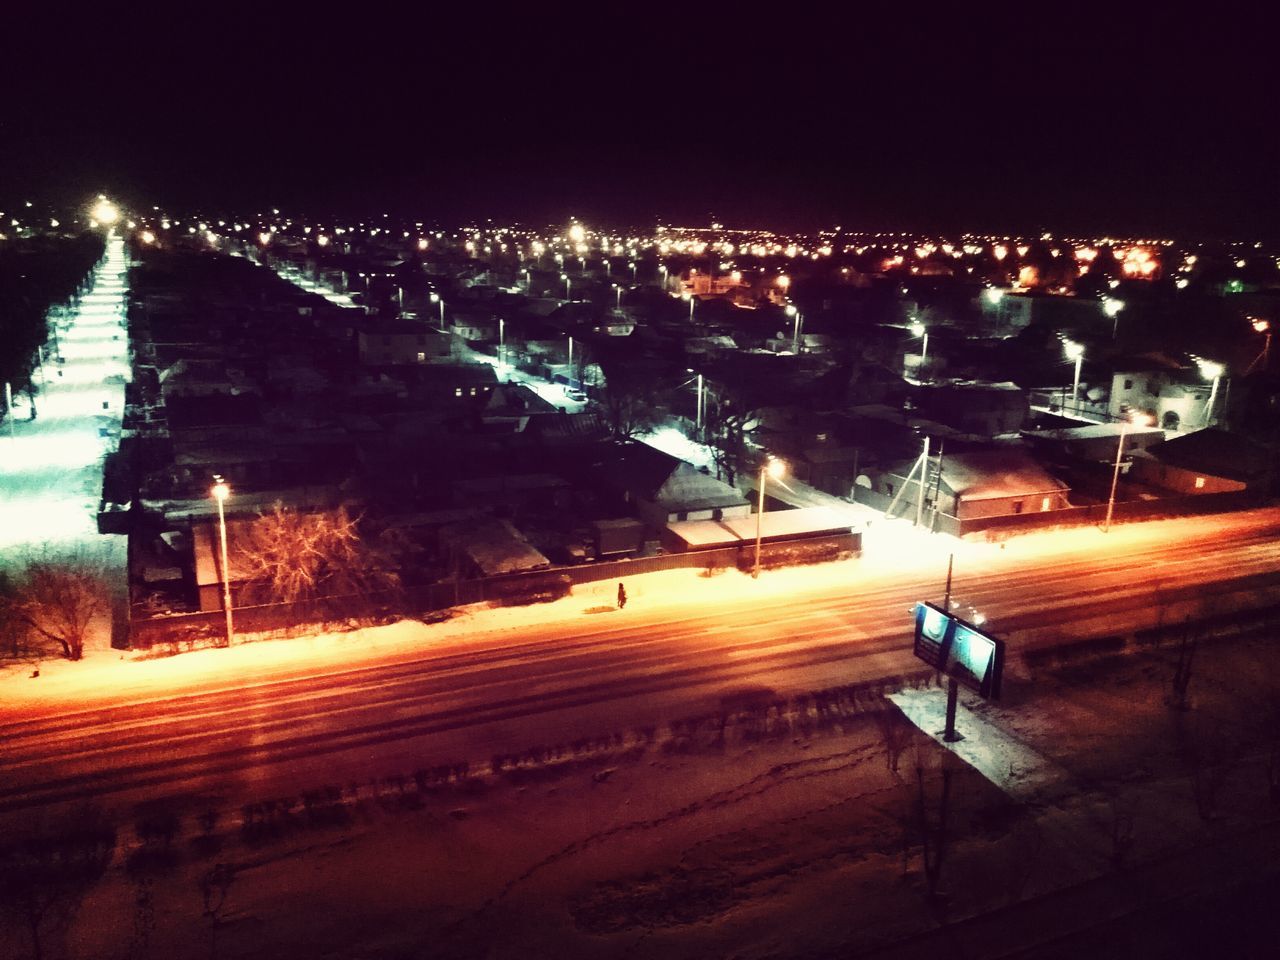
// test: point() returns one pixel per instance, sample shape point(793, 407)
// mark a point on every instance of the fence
point(208, 628)
point(1094, 514)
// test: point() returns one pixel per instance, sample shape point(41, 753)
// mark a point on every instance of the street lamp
point(568, 284)
point(633, 271)
point(436, 298)
point(1115, 475)
point(1112, 307)
point(770, 468)
point(662, 269)
point(1074, 351)
point(617, 290)
point(502, 342)
point(220, 492)
point(1263, 327)
point(607, 268)
point(791, 311)
point(1210, 371)
point(918, 330)
point(689, 296)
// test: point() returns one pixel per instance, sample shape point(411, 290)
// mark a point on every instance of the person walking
point(622, 596)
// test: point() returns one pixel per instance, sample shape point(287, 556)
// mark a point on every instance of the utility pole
point(924, 471)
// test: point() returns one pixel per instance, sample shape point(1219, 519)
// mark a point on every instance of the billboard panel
point(959, 649)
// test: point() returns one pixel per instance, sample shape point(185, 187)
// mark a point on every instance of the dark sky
point(1026, 120)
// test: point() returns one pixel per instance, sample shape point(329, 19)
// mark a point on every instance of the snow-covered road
point(51, 467)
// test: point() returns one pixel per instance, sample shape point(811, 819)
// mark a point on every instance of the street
point(489, 692)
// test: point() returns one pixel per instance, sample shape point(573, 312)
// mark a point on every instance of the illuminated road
point(51, 471)
point(276, 735)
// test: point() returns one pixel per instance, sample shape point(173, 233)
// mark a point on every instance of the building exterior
point(396, 342)
point(967, 486)
point(1165, 395)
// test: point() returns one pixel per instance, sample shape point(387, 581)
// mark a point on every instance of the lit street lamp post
point(795, 332)
point(1263, 327)
point(1210, 371)
point(1115, 474)
point(436, 298)
point(617, 290)
point(918, 329)
point(689, 297)
point(568, 284)
point(1075, 351)
point(770, 468)
point(220, 493)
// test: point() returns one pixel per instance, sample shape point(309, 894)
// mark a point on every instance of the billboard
point(959, 649)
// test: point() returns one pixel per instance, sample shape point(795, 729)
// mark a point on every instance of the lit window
point(1046, 503)
point(422, 357)
point(1199, 483)
point(457, 391)
point(473, 391)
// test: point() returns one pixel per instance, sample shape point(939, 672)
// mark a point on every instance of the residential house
point(663, 489)
point(1206, 461)
point(395, 342)
point(988, 483)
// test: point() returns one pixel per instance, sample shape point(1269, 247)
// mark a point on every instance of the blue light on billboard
point(959, 649)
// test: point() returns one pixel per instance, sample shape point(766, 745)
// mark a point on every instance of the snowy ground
point(51, 469)
point(803, 838)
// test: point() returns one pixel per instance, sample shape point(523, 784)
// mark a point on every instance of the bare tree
point(56, 598)
point(727, 428)
point(293, 556)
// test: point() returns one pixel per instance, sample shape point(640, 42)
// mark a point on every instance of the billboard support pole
point(946, 601)
point(953, 695)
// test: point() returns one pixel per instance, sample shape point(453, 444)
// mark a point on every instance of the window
point(1128, 384)
point(422, 357)
point(473, 391)
point(1046, 504)
point(457, 391)
point(1199, 483)
point(1017, 506)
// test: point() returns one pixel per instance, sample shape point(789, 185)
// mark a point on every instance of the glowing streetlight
point(220, 492)
point(436, 298)
point(689, 296)
point(568, 284)
point(1074, 351)
point(147, 237)
point(105, 212)
point(633, 271)
point(1210, 371)
point(918, 330)
point(1112, 307)
point(608, 268)
point(617, 291)
point(994, 295)
point(1263, 327)
point(784, 282)
point(1115, 475)
point(793, 312)
point(770, 468)
point(662, 269)
point(577, 234)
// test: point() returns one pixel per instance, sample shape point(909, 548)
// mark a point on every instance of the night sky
point(1020, 121)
